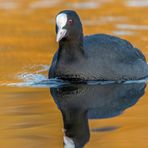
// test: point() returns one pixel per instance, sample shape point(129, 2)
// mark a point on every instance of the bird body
point(95, 57)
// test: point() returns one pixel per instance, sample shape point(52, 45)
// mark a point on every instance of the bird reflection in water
point(80, 102)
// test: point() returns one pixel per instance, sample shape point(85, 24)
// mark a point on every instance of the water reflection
point(81, 102)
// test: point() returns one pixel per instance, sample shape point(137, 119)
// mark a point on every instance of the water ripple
point(119, 32)
point(132, 27)
point(8, 5)
point(38, 79)
point(84, 5)
point(137, 3)
point(44, 4)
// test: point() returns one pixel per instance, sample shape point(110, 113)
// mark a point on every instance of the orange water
point(28, 116)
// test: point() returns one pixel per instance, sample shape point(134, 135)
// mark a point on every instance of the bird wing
point(112, 47)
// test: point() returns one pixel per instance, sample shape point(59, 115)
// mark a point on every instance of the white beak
point(61, 33)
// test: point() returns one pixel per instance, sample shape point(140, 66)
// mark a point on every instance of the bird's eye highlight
point(70, 22)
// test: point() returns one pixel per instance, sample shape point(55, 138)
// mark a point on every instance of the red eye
point(70, 22)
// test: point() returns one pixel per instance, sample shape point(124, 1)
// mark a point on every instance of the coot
point(94, 57)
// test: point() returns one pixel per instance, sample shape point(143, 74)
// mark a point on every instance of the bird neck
point(71, 50)
point(76, 125)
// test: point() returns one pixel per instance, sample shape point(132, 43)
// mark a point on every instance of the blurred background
point(27, 28)
point(28, 118)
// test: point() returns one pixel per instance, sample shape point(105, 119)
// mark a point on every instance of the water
point(78, 103)
point(32, 107)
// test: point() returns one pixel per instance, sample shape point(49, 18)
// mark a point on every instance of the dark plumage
point(80, 102)
point(94, 57)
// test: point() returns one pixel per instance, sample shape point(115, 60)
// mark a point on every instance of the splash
point(36, 78)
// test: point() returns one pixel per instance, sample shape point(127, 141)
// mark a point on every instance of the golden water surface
point(29, 118)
